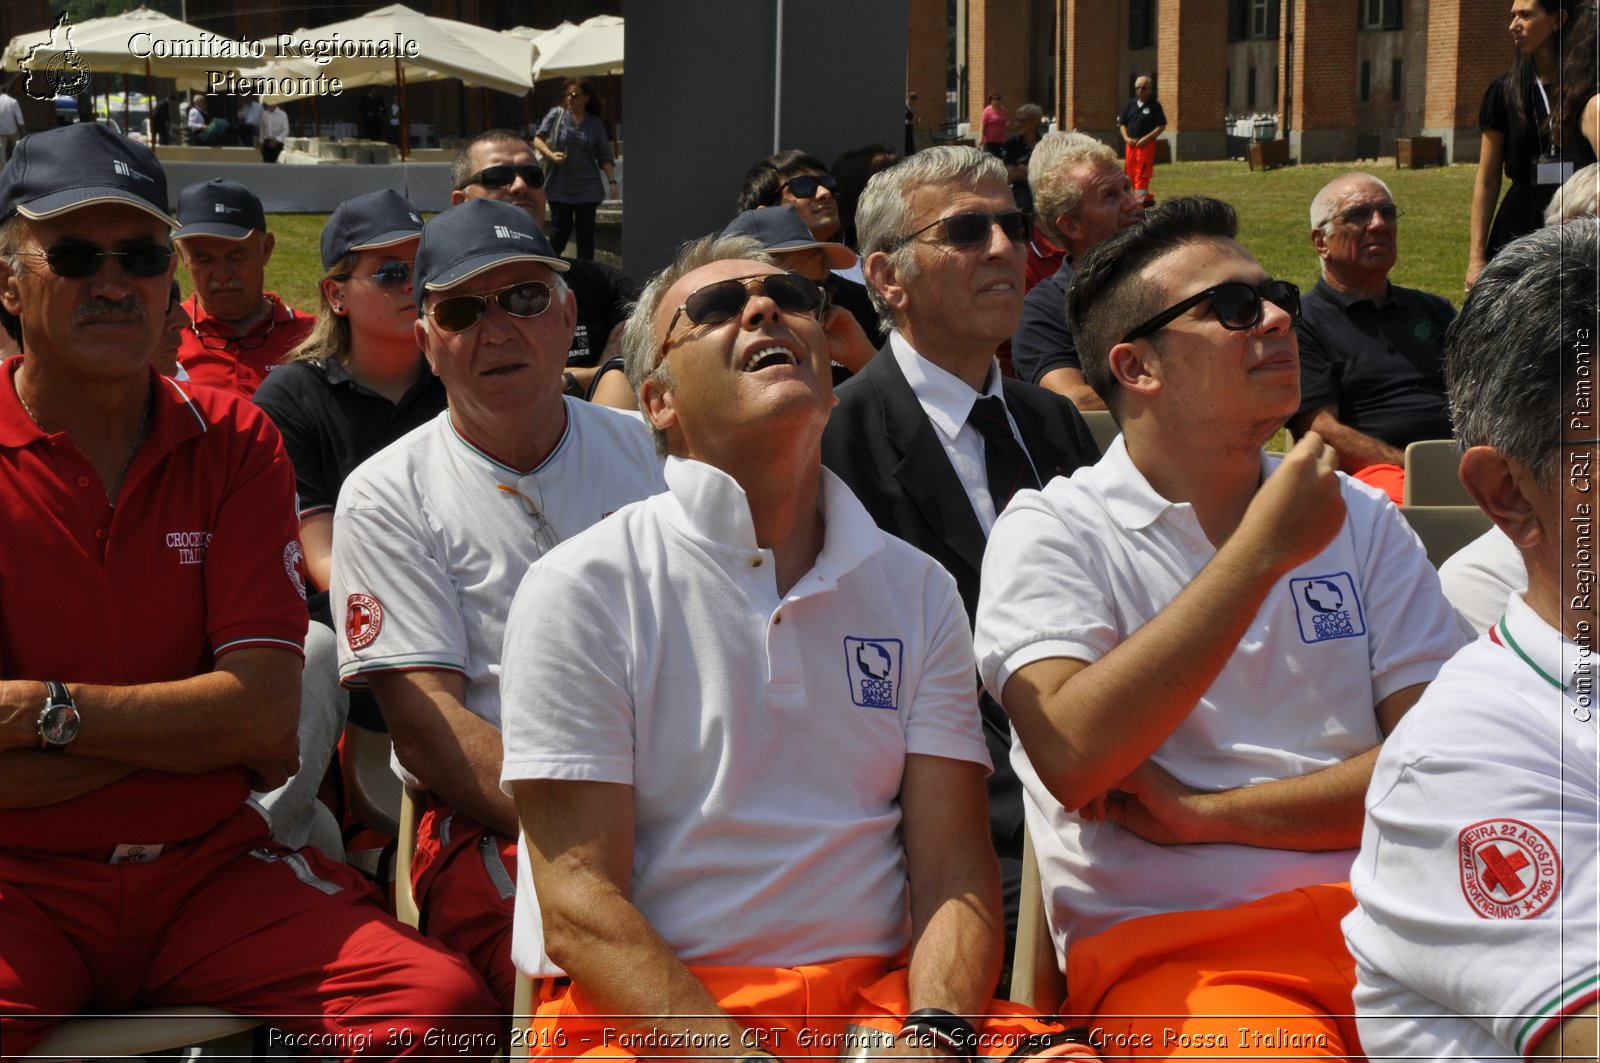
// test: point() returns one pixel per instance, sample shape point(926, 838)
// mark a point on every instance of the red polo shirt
point(198, 558)
point(235, 366)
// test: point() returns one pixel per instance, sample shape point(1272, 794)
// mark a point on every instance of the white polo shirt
point(1074, 570)
point(1477, 889)
point(428, 549)
point(764, 735)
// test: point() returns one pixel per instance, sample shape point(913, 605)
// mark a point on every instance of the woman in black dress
point(1540, 122)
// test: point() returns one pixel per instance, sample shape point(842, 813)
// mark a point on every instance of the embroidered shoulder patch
point(293, 558)
point(363, 619)
point(872, 668)
point(1509, 870)
point(1327, 607)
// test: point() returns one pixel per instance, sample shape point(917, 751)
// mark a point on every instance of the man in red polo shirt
point(240, 333)
point(151, 618)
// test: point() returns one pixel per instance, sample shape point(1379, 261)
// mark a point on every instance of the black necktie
point(1003, 457)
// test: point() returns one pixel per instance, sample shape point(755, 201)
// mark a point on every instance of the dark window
point(1264, 18)
point(1366, 80)
point(1238, 20)
point(1250, 88)
point(1141, 24)
point(1381, 14)
point(1227, 89)
point(1395, 80)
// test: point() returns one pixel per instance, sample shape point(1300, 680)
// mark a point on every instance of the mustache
point(98, 306)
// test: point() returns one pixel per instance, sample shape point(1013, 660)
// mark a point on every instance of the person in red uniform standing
point(151, 618)
point(1141, 122)
point(240, 332)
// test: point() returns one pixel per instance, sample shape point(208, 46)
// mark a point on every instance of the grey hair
point(883, 213)
point(1029, 110)
point(641, 347)
point(1051, 175)
point(1578, 198)
point(1522, 350)
point(1322, 202)
point(13, 235)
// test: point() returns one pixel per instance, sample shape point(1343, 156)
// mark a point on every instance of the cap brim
point(388, 239)
point(465, 271)
point(211, 228)
point(58, 203)
point(836, 256)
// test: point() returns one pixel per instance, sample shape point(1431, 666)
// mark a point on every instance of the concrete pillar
point(1191, 76)
point(1322, 54)
point(1089, 93)
point(1468, 47)
point(997, 56)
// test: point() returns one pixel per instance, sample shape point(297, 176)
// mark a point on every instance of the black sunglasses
point(503, 175)
point(78, 260)
point(392, 274)
point(461, 312)
point(1237, 305)
point(967, 230)
point(724, 300)
point(805, 186)
point(1360, 217)
point(216, 341)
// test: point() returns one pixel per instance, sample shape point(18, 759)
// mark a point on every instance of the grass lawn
point(1273, 223)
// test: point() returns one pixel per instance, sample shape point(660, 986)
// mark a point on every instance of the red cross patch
point(1509, 869)
point(363, 619)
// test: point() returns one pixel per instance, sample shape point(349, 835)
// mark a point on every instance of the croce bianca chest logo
point(189, 546)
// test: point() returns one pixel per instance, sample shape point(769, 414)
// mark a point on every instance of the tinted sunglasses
point(503, 175)
point(392, 275)
point(968, 230)
point(725, 300)
point(461, 312)
point(1236, 304)
point(78, 260)
point(215, 341)
point(805, 186)
point(1359, 217)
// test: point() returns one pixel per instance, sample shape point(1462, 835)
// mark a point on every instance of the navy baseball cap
point(377, 219)
point(219, 208)
point(474, 236)
point(779, 229)
point(81, 165)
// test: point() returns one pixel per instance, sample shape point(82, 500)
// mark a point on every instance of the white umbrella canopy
point(445, 49)
point(136, 42)
point(593, 46)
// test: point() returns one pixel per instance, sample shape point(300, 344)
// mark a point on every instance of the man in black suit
point(929, 435)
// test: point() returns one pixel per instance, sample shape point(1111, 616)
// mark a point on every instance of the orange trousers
point(836, 1010)
point(1266, 980)
point(1139, 163)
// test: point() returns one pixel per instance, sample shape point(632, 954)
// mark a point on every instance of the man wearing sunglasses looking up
point(150, 641)
point(929, 436)
point(1201, 649)
point(239, 332)
point(433, 534)
point(500, 165)
point(741, 728)
point(1371, 352)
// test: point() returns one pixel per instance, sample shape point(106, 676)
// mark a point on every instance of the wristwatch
point(58, 720)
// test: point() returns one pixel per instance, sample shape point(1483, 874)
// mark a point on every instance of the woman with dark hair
point(852, 170)
point(1540, 122)
point(573, 137)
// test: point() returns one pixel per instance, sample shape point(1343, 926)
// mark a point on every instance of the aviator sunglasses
point(78, 260)
point(971, 229)
point(503, 175)
point(1236, 304)
point(805, 186)
point(723, 301)
point(461, 312)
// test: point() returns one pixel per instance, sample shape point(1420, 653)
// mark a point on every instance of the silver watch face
point(58, 724)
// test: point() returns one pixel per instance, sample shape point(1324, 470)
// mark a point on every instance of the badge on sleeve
point(872, 667)
point(363, 619)
point(1509, 870)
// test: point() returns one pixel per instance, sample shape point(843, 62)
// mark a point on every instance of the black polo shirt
point(331, 424)
point(604, 296)
point(1381, 367)
point(1043, 342)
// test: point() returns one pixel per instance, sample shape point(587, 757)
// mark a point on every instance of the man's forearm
point(1356, 450)
point(32, 779)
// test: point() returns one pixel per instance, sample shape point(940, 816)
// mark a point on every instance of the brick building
point(1344, 78)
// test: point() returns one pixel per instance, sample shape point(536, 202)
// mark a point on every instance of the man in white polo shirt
point(432, 535)
point(741, 728)
point(1477, 889)
point(1200, 648)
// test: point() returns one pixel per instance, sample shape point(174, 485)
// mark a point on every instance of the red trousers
point(234, 921)
point(1266, 980)
point(1139, 163)
point(465, 880)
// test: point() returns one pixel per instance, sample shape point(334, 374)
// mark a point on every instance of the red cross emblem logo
point(363, 619)
point(1509, 869)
